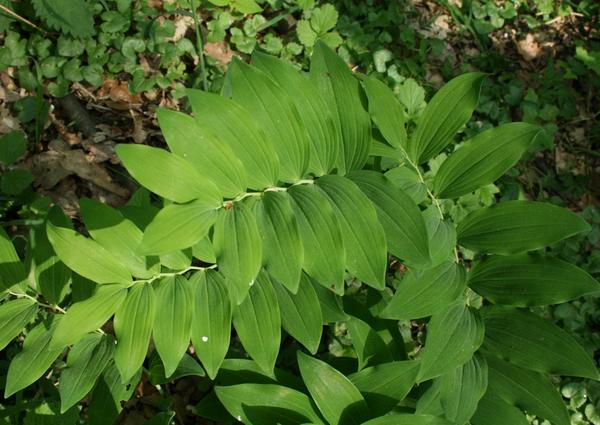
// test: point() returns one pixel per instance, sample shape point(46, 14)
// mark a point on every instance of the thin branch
point(20, 18)
point(24, 295)
point(199, 45)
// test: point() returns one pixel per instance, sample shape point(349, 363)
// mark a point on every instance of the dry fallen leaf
point(529, 48)
point(59, 161)
point(219, 51)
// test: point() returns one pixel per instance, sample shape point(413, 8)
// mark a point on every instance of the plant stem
point(277, 18)
point(268, 189)
point(199, 45)
point(435, 201)
point(20, 18)
point(179, 273)
point(24, 295)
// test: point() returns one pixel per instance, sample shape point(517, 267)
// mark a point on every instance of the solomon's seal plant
point(284, 199)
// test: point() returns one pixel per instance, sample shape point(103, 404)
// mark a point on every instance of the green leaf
point(87, 360)
point(336, 83)
point(177, 227)
point(400, 217)
point(238, 248)
point(462, 388)
point(369, 346)
point(206, 152)
point(86, 257)
point(116, 234)
point(526, 389)
point(385, 385)
point(245, 6)
point(306, 35)
point(386, 112)
point(483, 159)
point(283, 254)
point(423, 293)
point(88, 315)
point(11, 268)
point(14, 315)
point(494, 411)
point(236, 371)
point(324, 18)
point(363, 236)
point(285, 405)
point(15, 181)
point(407, 179)
point(529, 341)
point(168, 175)
point(204, 251)
point(177, 260)
point(52, 276)
point(301, 313)
point(324, 253)
point(452, 337)
point(429, 403)
point(442, 236)
point(331, 304)
point(338, 399)
point(235, 126)
point(257, 322)
point(67, 16)
point(35, 358)
point(211, 324)
point(109, 394)
point(408, 419)
point(526, 280)
point(133, 327)
point(172, 321)
point(187, 366)
point(12, 146)
point(324, 141)
point(517, 226)
point(276, 114)
point(446, 113)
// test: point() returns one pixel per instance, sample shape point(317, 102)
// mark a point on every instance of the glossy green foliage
point(523, 280)
point(211, 323)
point(133, 326)
point(529, 341)
point(518, 226)
point(423, 293)
point(35, 358)
point(172, 321)
point(526, 389)
point(336, 83)
point(483, 159)
point(445, 114)
point(338, 399)
point(257, 321)
point(305, 213)
point(454, 336)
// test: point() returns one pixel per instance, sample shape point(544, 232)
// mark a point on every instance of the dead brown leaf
point(529, 48)
point(60, 161)
point(219, 51)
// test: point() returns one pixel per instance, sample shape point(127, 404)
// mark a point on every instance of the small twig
point(179, 273)
point(24, 295)
point(199, 45)
point(20, 18)
point(277, 18)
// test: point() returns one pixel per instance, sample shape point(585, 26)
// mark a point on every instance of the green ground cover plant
point(308, 202)
point(157, 48)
